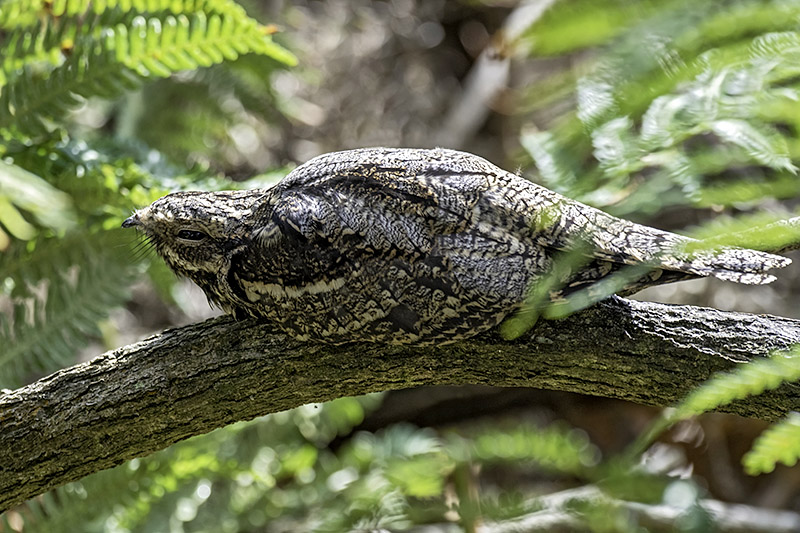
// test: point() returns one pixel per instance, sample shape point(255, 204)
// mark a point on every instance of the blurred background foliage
point(683, 115)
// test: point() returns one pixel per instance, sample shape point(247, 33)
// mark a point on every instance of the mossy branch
point(141, 398)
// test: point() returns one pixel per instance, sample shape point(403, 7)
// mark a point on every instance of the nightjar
point(413, 246)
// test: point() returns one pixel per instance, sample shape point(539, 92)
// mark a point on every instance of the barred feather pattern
point(410, 246)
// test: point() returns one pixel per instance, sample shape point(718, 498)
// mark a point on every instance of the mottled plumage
point(408, 246)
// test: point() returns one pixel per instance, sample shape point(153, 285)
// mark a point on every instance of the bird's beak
point(132, 221)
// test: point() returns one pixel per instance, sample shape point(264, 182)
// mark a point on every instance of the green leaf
point(14, 222)
point(780, 443)
point(49, 206)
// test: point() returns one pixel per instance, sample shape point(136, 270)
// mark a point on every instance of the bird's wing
point(422, 202)
point(382, 200)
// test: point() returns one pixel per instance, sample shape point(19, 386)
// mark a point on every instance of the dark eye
point(191, 235)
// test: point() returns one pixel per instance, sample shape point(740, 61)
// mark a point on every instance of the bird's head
point(197, 233)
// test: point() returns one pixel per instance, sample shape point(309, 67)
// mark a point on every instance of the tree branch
point(183, 382)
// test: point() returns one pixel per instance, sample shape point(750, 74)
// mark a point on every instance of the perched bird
point(412, 246)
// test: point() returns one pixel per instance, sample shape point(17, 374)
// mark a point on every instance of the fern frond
point(615, 148)
point(727, 101)
point(53, 38)
point(20, 13)
point(555, 167)
point(228, 8)
point(780, 443)
point(141, 494)
point(728, 97)
point(745, 19)
point(52, 298)
point(571, 26)
point(757, 231)
point(762, 142)
point(64, 510)
point(558, 447)
point(748, 380)
point(41, 44)
point(105, 60)
point(749, 191)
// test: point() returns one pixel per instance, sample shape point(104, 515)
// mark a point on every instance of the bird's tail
point(739, 265)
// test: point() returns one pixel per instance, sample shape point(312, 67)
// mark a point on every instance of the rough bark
point(141, 398)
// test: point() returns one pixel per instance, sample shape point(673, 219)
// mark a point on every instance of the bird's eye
point(191, 235)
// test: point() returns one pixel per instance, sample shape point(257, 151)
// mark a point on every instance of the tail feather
point(730, 264)
point(620, 241)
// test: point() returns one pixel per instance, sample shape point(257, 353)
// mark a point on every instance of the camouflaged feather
point(409, 246)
